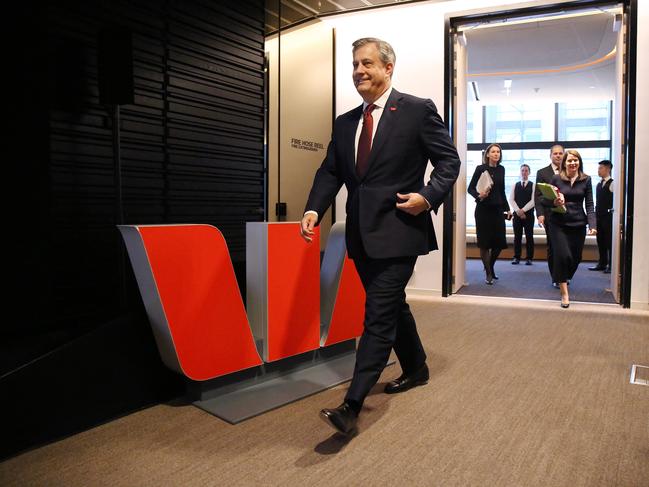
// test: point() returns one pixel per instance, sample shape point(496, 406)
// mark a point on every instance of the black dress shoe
point(516, 261)
point(596, 268)
point(343, 418)
point(607, 270)
point(528, 262)
point(405, 382)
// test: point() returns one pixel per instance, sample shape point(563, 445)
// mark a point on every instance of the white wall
point(306, 98)
point(416, 31)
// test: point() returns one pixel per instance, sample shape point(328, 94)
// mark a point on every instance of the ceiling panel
point(561, 59)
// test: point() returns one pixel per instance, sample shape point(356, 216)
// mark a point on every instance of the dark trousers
point(567, 246)
point(604, 237)
point(548, 245)
point(388, 323)
point(528, 225)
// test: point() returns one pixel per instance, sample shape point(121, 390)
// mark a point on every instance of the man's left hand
point(414, 203)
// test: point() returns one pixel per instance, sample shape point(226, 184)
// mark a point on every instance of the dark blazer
point(409, 133)
point(576, 195)
point(497, 194)
point(543, 205)
point(604, 199)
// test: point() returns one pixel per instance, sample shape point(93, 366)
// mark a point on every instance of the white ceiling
point(575, 46)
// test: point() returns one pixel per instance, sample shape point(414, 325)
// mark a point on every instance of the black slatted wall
point(78, 349)
point(191, 143)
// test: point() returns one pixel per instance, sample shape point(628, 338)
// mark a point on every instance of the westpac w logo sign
point(197, 313)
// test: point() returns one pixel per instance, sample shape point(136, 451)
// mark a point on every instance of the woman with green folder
point(573, 188)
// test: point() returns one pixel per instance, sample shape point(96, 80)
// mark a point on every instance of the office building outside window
point(526, 132)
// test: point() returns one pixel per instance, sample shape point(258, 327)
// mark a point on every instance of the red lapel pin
point(393, 109)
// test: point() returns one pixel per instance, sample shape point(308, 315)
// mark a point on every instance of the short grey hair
point(386, 53)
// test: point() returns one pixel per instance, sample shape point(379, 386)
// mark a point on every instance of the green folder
point(548, 191)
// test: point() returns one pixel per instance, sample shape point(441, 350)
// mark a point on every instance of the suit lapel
point(386, 124)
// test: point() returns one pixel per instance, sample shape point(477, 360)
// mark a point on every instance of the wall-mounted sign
point(309, 145)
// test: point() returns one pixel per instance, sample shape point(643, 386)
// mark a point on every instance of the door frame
point(628, 138)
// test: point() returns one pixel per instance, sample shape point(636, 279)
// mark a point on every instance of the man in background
point(543, 205)
point(521, 199)
point(603, 212)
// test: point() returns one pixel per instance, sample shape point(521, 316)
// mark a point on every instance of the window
point(527, 131)
point(584, 121)
point(519, 123)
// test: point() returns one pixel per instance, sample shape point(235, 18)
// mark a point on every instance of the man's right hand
point(542, 221)
point(306, 226)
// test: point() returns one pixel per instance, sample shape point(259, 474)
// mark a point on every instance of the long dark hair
point(580, 172)
point(485, 158)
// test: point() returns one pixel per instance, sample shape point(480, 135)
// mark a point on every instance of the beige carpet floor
point(521, 394)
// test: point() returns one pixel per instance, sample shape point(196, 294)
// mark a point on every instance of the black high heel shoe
point(489, 279)
point(493, 273)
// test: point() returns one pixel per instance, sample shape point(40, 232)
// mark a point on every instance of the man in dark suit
point(604, 198)
point(380, 151)
point(543, 205)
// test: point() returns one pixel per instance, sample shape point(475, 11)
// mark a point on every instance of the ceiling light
point(537, 18)
point(508, 83)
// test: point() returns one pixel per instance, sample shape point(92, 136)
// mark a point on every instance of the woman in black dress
point(490, 210)
point(569, 228)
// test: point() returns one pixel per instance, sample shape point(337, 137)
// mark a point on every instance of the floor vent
point(640, 375)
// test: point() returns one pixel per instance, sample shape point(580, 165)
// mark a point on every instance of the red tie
point(365, 141)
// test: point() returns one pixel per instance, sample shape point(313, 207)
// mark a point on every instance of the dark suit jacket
point(409, 133)
point(543, 205)
point(497, 195)
point(576, 196)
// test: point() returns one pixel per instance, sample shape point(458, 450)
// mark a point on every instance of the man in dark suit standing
point(543, 205)
point(380, 151)
point(604, 196)
point(521, 199)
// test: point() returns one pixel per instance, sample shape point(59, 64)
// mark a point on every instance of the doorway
point(529, 79)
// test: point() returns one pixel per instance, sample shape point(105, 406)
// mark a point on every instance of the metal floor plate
point(258, 397)
point(640, 375)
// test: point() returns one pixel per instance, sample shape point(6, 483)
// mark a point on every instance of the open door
point(459, 137)
point(617, 154)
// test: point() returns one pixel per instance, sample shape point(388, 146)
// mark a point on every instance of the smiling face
point(572, 165)
point(525, 173)
point(371, 77)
